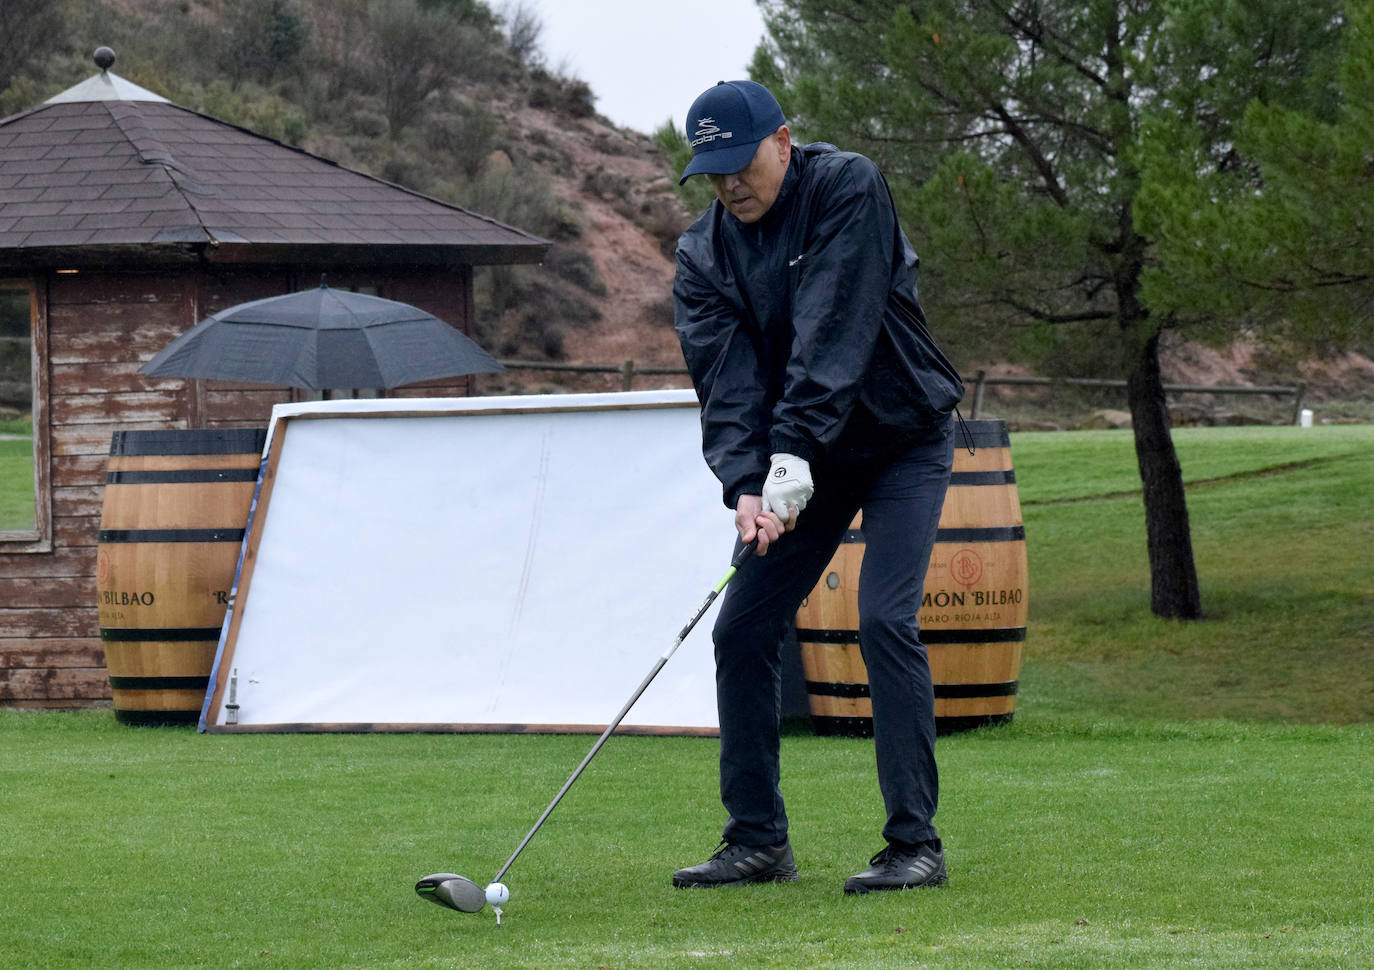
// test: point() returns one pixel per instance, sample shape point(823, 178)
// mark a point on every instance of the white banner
point(485, 563)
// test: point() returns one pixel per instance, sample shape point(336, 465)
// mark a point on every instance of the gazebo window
point(24, 511)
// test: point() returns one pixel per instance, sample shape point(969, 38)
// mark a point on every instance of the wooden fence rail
point(981, 380)
point(628, 372)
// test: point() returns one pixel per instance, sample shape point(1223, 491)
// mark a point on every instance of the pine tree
point(1014, 134)
point(1283, 246)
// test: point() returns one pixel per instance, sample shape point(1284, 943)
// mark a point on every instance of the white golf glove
point(788, 485)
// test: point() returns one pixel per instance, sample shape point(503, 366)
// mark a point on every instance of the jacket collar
point(778, 210)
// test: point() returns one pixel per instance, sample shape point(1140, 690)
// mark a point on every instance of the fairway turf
point(1282, 523)
point(1072, 843)
point(1169, 795)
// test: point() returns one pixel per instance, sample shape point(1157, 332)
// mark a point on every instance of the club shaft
point(738, 561)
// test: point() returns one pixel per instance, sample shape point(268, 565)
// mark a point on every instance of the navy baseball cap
point(726, 124)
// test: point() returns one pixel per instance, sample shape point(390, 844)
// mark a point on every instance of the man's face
point(750, 192)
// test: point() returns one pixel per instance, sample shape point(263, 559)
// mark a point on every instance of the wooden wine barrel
point(175, 510)
point(973, 612)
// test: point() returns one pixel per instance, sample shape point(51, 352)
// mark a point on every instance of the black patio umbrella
point(322, 339)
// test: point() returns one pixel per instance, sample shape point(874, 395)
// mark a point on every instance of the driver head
point(454, 891)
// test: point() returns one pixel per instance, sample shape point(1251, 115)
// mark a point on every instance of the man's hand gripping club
point(786, 491)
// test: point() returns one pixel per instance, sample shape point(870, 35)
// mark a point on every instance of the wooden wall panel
point(52, 672)
point(85, 442)
point(248, 406)
point(53, 686)
point(100, 328)
point(62, 563)
point(223, 287)
point(112, 333)
point(110, 377)
point(159, 408)
point(82, 500)
point(73, 531)
point(24, 623)
point(50, 592)
point(69, 471)
point(51, 652)
point(92, 287)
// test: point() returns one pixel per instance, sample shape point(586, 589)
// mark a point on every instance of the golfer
point(822, 394)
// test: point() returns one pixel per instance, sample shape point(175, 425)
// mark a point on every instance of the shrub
point(518, 197)
point(561, 93)
point(263, 39)
point(461, 135)
point(576, 266)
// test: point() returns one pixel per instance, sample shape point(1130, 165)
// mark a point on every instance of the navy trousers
point(901, 496)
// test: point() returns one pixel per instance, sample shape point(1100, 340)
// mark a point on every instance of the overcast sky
point(647, 60)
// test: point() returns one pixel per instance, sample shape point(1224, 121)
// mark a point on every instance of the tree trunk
point(1173, 575)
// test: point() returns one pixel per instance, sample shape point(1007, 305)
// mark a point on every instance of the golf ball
point(497, 894)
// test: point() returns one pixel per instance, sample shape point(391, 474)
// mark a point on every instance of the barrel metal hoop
point(172, 535)
point(1004, 533)
point(826, 689)
point(965, 691)
point(960, 479)
point(1008, 634)
point(159, 683)
point(163, 634)
point(1005, 634)
point(187, 476)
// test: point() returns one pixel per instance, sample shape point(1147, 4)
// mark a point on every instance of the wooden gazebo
point(125, 219)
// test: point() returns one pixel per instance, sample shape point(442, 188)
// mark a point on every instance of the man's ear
point(784, 142)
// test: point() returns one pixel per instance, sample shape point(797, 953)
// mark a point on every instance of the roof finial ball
point(104, 58)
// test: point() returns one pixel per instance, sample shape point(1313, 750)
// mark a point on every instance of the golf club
point(459, 892)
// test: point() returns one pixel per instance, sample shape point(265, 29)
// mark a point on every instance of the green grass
point(16, 484)
point(1282, 522)
point(1170, 795)
point(1073, 843)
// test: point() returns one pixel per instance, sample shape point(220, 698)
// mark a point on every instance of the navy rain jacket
point(796, 323)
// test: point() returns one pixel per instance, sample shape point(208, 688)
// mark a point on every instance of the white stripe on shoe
point(923, 867)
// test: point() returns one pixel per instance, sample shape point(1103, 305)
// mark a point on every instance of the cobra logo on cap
point(708, 130)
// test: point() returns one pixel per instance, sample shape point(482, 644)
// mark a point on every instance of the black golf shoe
point(735, 865)
point(901, 868)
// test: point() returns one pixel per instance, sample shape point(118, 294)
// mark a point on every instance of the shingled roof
point(108, 166)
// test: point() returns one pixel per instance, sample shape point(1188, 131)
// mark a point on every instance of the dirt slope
point(616, 180)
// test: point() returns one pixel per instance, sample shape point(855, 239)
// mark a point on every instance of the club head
point(454, 891)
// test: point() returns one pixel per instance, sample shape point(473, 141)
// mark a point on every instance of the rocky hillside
point(617, 182)
point(454, 101)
